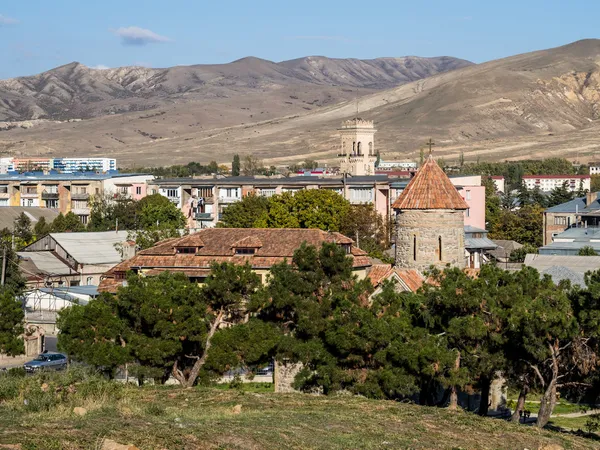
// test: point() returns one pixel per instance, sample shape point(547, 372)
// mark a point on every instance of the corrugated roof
point(472, 229)
point(560, 273)
point(571, 206)
point(8, 215)
point(92, 247)
point(430, 189)
point(576, 263)
point(482, 243)
point(47, 263)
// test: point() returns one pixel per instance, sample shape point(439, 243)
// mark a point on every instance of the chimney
point(590, 197)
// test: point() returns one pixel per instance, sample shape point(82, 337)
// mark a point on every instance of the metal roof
point(560, 273)
point(259, 181)
point(476, 243)
point(576, 263)
point(472, 229)
point(572, 206)
point(40, 176)
point(47, 262)
point(92, 247)
point(8, 214)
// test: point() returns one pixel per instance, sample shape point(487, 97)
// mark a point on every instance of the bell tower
point(358, 147)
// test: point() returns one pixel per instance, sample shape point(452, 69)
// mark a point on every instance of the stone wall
point(426, 227)
point(284, 376)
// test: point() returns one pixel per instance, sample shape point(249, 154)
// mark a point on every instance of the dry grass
point(203, 418)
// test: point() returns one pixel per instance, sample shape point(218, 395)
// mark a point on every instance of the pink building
point(139, 190)
point(473, 193)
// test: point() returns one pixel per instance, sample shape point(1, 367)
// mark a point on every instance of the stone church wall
point(428, 226)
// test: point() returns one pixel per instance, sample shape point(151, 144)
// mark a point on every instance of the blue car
point(46, 361)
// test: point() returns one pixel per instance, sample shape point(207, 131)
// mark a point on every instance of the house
point(547, 183)
point(561, 217)
point(405, 280)
point(72, 259)
point(477, 245)
point(194, 254)
point(503, 250)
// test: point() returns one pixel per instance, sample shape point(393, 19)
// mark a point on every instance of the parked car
point(46, 361)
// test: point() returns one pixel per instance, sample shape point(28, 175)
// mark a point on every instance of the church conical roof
point(430, 188)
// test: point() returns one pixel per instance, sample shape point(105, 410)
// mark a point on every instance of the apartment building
point(63, 165)
point(68, 192)
point(547, 183)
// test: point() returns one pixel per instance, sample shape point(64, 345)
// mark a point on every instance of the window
point(230, 192)
point(74, 283)
point(440, 247)
point(361, 194)
point(267, 192)
point(97, 191)
point(370, 148)
point(560, 220)
point(52, 204)
point(89, 281)
point(3, 189)
point(172, 193)
point(51, 189)
point(124, 190)
point(468, 212)
point(138, 190)
point(359, 148)
point(205, 192)
point(79, 204)
point(414, 247)
point(347, 248)
point(186, 250)
point(80, 190)
point(245, 251)
point(468, 195)
point(84, 219)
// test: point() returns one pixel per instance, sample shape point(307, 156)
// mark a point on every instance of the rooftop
point(8, 214)
point(579, 264)
point(570, 177)
point(91, 176)
point(430, 188)
point(264, 181)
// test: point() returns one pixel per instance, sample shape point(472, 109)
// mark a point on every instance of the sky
point(37, 35)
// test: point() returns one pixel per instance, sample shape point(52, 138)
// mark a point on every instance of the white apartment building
point(403, 165)
point(7, 165)
point(69, 165)
point(594, 169)
point(547, 183)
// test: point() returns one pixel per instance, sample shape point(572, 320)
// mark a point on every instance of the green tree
point(524, 226)
point(507, 201)
point(595, 183)
point(109, 213)
point(164, 324)
point(519, 254)
point(560, 194)
point(22, 230)
point(250, 212)
point(587, 251)
point(308, 208)
point(66, 223)
point(158, 211)
point(252, 166)
point(492, 203)
point(11, 323)
point(368, 228)
point(41, 228)
point(235, 166)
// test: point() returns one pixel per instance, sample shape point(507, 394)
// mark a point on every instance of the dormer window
point(186, 250)
point(245, 251)
point(347, 248)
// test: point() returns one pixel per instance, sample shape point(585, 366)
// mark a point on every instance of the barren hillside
point(529, 105)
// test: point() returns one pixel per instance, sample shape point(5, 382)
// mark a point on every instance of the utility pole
point(3, 266)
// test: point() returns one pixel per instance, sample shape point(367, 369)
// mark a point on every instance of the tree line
point(456, 333)
point(312, 208)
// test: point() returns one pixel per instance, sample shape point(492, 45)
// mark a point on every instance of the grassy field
point(37, 413)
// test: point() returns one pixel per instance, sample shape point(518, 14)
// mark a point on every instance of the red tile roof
point(430, 188)
point(410, 278)
point(273, 246)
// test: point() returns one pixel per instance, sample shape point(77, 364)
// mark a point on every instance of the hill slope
point(75, 91)
point(544, 103)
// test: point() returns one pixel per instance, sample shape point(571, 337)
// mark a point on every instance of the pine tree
point(235, 166)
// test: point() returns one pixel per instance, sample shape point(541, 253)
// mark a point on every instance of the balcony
point(226, 199)
point(29, 193)
point(79, 196)
point(204, 216)
point(46, 195)
point(207, 200)
point(81, 211)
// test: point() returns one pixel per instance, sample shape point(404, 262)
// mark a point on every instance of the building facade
point(68, 192)
point(63, 165)
point(547, 183)
point(430, 221)
point(358, 154)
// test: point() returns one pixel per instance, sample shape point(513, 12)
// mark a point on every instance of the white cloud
point(138, 36)
point(5, 20)
point(100, 67)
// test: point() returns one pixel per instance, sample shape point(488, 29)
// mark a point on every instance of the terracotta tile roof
point(411, 279)
point(430, 188)
point(273, 246)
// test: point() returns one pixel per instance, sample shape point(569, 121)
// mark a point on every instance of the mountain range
point(544, 103)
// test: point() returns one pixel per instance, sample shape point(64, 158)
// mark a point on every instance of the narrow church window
point(415, 247)
point(370, 149)
point(359, 148)
point(440, 247)
point(354, 147)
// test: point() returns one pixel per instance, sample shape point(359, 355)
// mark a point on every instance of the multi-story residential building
point(397, 165)
point(63, 165)
point(68, 192)
point(69, 165)
point(203, 200)
point(547, 183)
point(499, 182)
point(594, 168)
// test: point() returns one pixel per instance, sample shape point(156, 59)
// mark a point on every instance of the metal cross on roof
point(430, 144)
